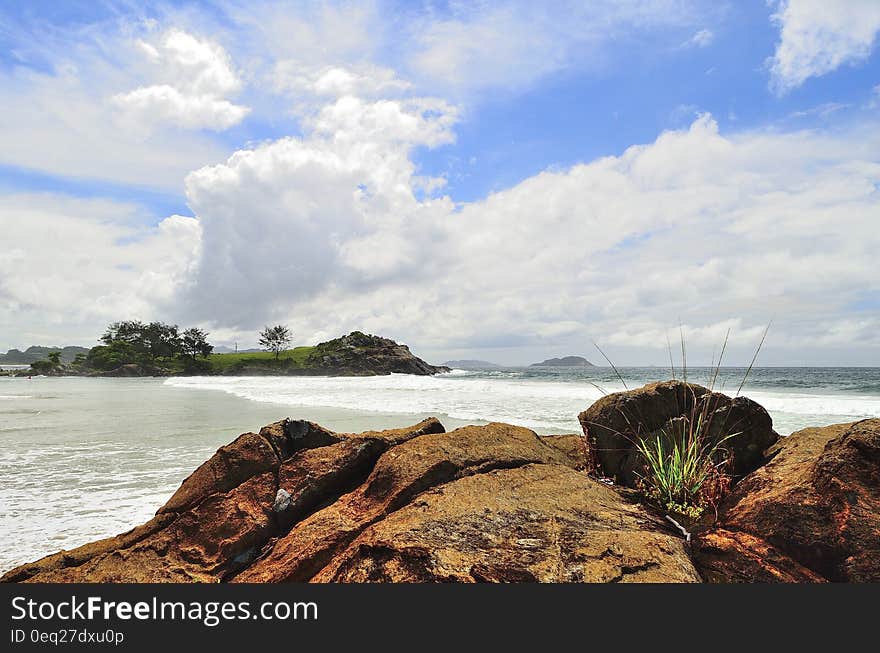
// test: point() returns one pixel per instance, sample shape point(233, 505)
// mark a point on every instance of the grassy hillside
point(225, 363)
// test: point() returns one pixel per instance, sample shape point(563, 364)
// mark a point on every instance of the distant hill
point(566, 361)
point(36, 353)
point(468, 364)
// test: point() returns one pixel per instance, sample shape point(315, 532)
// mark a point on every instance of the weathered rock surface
point(545, 523)
point(615, 423)
point(811, 514)
point(296, 502)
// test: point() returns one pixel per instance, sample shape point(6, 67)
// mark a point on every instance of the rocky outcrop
point(359, 354)
point(296, 502)
point(615, 423)
point(811, 514)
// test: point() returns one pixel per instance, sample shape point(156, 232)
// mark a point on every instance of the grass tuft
point(686, 463)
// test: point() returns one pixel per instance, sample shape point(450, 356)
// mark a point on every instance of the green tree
point(194, 342)
point(132, 341)
point(50, 364)
point(275, 339)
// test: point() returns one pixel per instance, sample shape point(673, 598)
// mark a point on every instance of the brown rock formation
point(299, 503)
point(616, 422)
point(811, 514)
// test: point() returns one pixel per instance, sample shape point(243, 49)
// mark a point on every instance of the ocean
point(85, 458)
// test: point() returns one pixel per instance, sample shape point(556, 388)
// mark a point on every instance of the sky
point(505, 181)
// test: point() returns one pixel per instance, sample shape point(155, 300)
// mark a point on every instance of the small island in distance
point(565, 361)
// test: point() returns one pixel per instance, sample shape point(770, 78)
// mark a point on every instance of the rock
point(204, 544)
point(572, 446)
point(296, 502)
point(282, 500)
point(78, 556)
point(812, 513)
point(538, 522)
point(223, 515)
point(615, 423)
point(314, 548)
point(249, 454)
point(359, 354)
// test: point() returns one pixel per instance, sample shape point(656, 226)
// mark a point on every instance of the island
point(355, 354)
point(565, 361)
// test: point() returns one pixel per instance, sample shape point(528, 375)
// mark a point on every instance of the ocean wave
point(13, 397)
point(539, 404)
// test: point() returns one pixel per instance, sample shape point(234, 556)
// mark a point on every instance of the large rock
point(487, 503)
point(617, 422)
point(296, 502)
point(223, 514)
point(811, 514)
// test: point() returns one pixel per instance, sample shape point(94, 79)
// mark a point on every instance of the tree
point(275, 339)
point(162, 340)
point(135, 342)
point(52, 363)
point(194, 342)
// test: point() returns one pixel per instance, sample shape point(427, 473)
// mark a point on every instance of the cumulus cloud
point(336, 207)
point(817, 37)
point(361, 80)
point(198, 76)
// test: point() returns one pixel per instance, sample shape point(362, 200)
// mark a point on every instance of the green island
point(134, 349)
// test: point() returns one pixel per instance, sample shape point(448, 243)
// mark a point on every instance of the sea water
point(85, 458)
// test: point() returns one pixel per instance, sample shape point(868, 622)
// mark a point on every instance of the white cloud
point(700, 39)
point(361, 80)
point(197, 76)
point(817, 37)
point(165, 103)
point(336, 207)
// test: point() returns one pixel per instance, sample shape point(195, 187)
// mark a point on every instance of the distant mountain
point(566, 361)
point(468, 364)
point(36, 353)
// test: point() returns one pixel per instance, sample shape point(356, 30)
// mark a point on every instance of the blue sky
point(371, 136)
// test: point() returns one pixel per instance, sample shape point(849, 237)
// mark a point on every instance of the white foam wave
point(13, 397)
point(528, 402)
